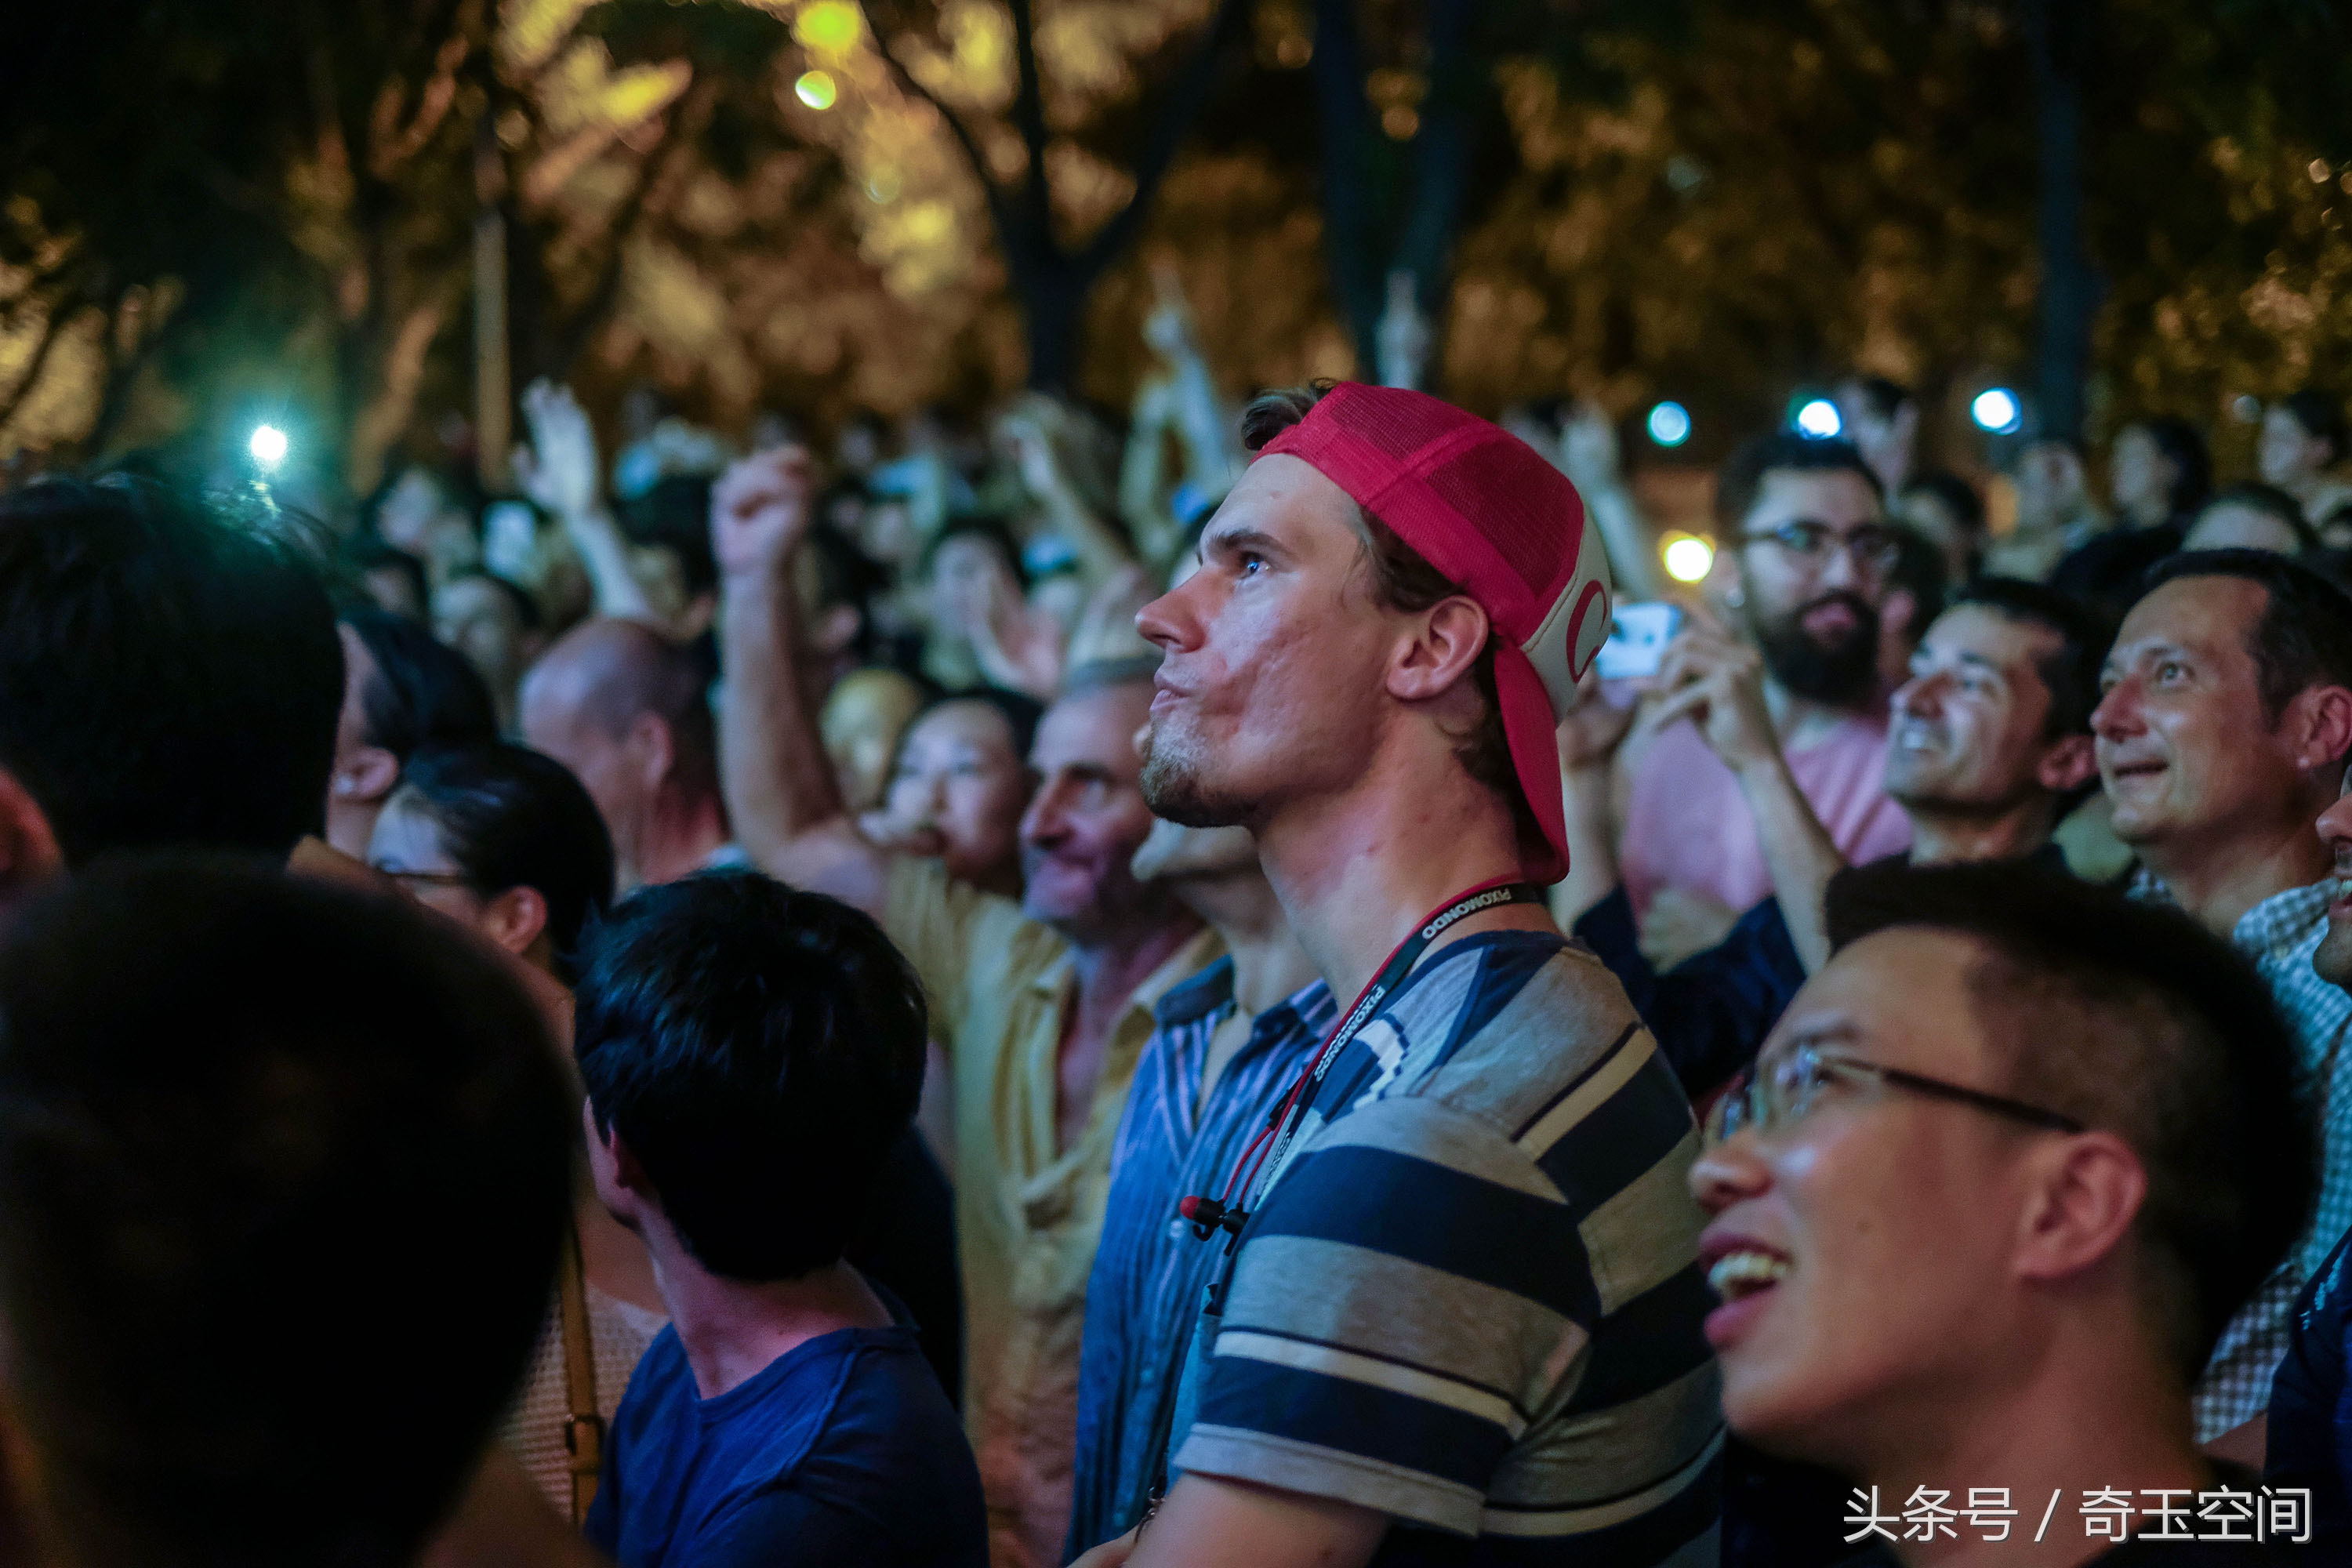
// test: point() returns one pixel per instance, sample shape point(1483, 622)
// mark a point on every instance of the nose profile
point(1728, 1173)
point(2117, 714)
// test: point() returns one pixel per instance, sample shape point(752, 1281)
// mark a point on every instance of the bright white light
point(1687, 558)
point(267, 446)
point(1670, 424)
point(815, 88)
point(1997, 409)
point(1819, 419)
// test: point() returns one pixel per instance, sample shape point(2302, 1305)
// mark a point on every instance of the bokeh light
point(267, 446)
point(1688, 557)
point(1819, 419)
point(1670, 424)
point(829, 26)
point(815, 88)
point(1997, 409)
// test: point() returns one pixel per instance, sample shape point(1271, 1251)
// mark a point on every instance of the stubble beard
point(1173, 787)
point(2333, 961)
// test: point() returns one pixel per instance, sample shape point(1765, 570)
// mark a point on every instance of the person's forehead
point(1287, 499)
point(1094, 727)
point(1898, 996)
point(1981, 632)
point(952, 722)
point(2209, 614)
point(1824, 495)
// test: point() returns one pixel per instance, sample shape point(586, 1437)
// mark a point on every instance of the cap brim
point(1535, 753)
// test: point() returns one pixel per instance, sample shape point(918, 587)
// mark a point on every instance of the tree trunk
point(2059, 34)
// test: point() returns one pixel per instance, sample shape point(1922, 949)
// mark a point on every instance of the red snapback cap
point(1487, 511)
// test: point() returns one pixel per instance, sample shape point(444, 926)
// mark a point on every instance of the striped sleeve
point(1487, 1331)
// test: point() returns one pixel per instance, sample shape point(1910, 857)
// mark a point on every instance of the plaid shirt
point(2280, 934)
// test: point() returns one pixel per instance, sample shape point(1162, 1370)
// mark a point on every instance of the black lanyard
point(1210, 1214)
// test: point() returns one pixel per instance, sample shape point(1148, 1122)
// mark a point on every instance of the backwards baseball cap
point(1484, 509)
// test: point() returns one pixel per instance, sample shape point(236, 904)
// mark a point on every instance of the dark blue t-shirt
point(842, 1450)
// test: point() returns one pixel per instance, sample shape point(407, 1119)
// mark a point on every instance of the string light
point(1819, 419)
point(815, 88)
point(1688, 557)
point(1998, 409)
point(1670, 424)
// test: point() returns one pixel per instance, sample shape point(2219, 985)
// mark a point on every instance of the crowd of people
point(1046, 999)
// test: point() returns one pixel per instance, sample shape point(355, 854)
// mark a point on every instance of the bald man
point(623, 708)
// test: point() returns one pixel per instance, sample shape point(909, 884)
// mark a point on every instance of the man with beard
point(1043, 1005)
point(1989, 741)
point(1809, 525)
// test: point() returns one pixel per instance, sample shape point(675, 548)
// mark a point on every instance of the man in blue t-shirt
point(751, 1054)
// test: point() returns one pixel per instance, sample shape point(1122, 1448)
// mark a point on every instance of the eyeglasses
point(430, 879)
point(1786, 1089)
point(1872, 548)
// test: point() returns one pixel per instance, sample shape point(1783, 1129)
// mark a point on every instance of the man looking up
point(1426, 1343)
point(2092, 1107)
point(1991, 740)
point(1042, 1005)
point(623, 707)
point(1814, 550)
point(751, 1054)
point(1229, 1044)
point(2221, 737)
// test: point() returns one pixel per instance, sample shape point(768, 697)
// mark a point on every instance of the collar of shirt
point(2284, 920)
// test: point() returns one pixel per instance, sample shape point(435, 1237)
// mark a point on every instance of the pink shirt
point(1688, 826)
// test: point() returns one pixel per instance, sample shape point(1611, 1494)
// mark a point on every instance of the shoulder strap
point(583, 1427)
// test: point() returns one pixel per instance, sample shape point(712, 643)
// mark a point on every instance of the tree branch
point(1029, 114)
point(1169, 131)
point(682, 123)
point(997, 210)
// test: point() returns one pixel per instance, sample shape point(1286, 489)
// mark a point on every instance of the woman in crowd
point(960, 785)
point(2304, 438)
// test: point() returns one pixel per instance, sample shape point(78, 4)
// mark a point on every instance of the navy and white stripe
point(1472, 1301)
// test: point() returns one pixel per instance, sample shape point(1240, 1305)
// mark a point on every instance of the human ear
point(2323, 718)
point(28, 846)
point(515, 919)
point(367, 775)
point(2087, 1190)
point(649, 740)
point(1440, 650)
point(2070, 764)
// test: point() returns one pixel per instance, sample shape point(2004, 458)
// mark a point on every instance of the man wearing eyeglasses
point(2004, 1171)
point(1808, 525)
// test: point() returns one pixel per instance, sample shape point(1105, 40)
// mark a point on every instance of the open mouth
point(2136, 771)
point(1740, 1274)
point(1832, 619)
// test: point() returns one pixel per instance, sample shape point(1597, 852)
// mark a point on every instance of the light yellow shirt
point(1028, 1212)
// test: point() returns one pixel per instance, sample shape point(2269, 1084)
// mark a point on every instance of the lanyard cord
point(1265, 1151)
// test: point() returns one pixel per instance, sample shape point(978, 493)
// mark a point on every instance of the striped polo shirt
point(1472, 1299)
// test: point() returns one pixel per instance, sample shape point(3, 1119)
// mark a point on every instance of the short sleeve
point(930, 915)
point(1450, 1296)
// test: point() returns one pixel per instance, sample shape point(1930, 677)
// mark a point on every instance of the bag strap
point(583, 1427)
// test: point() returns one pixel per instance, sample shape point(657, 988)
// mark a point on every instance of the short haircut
point(169, 670)
point(2072, 673)
point(235, 1108)
point(2304, 636)
point(512, 818)
point(422, 693)
point(657, 674)
point(1882, 396)
point(2192, 469)
point(1958, 496)
point(2271, 501)
point(518, 598)
point(2131, 1018)
point(676, 515)
point(759, 1049)
point(1402, 579)
point(1741, 479)
point(1021, 714)
point(2321, 418)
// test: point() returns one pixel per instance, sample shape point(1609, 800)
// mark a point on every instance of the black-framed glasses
point(1785, 1089)
point(1872, 548)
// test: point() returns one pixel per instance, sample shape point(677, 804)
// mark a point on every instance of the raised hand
point(760, 509)
point(1711, 676)
point(559, 467)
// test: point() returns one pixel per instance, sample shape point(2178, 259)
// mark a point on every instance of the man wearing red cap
point(1461, 1317)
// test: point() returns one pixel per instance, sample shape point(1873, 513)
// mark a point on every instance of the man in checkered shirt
point(2221, 737)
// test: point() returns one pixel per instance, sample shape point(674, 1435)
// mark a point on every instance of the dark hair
point(518, 598)
point(676, 515)
point(1958, 496)
point(2130, 1016)
point(759, 1049)
point(2271, 501)
point(366, 554)
point(230, 1101)
point(512, 818)
point(1880, 394)
point(1741, 479)
point(1402, 580)
point(993, 532)
point(1021, 715)
point(2072, 673)
point(169, 670)
point(1919, 571)
point(423, 693)
point(2321, 418)
point(2304, 636)
point(2192, 471)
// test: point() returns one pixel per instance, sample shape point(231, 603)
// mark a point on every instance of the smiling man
point(2221, 737)
point(1990, 739)
point(2006, 1168)
point(1460, 1318)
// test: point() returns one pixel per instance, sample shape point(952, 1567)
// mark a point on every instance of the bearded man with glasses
point(1806, 522)
point(2008, 1165)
